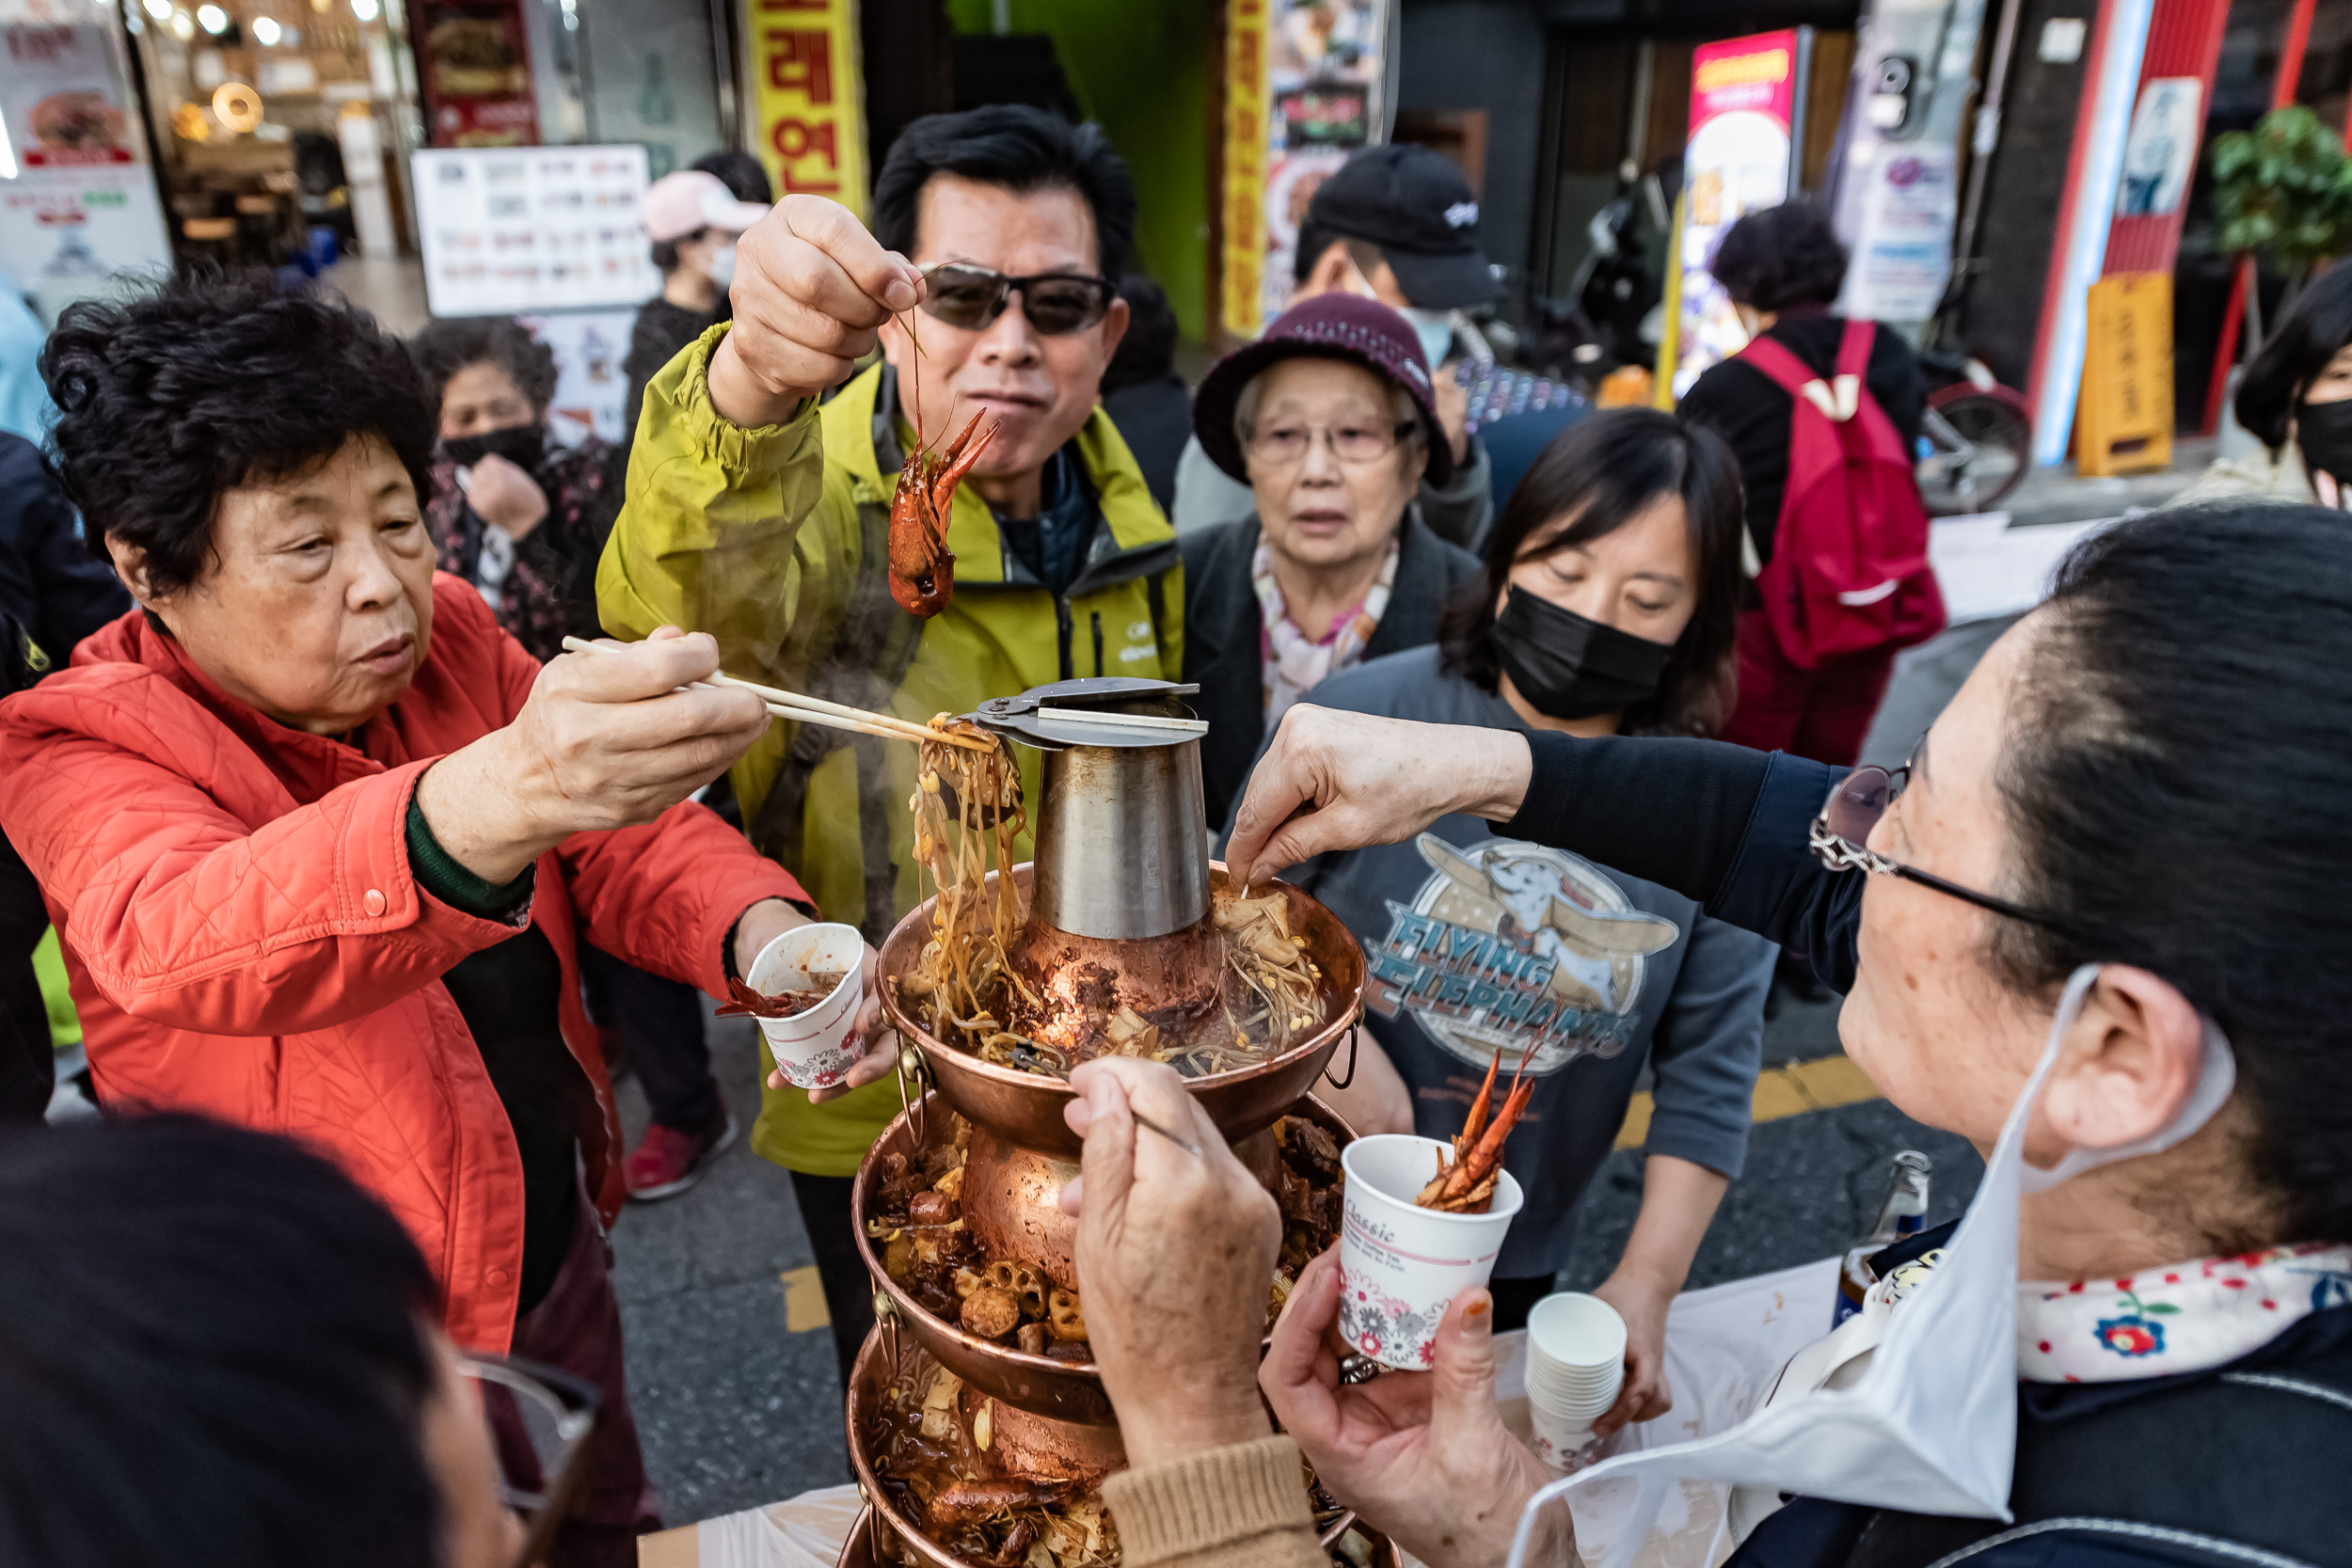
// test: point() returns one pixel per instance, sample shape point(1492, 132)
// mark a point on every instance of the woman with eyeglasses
point(1327, 417)
point(2184, 1344)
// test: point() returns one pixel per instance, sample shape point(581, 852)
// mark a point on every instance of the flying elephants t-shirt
point(1474, 944)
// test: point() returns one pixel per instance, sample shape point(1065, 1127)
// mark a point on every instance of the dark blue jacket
point(2243, 1465)
point(50, 583)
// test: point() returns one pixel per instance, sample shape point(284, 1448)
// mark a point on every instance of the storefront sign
point(809, 85)
point(506, 230)
point(591, 390)
point(1302, 91)
point(1902, 242)
point(2160, 153)
point(77, 198)
point(477, 73)
point(1743, 94)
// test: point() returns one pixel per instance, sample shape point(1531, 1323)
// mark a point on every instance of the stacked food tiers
point(977, 1423)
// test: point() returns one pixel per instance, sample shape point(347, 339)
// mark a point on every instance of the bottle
point(1902, 1213)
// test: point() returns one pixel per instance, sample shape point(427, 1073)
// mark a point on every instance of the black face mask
point(1570, 666)
point(522, 445)
point(2324, 431)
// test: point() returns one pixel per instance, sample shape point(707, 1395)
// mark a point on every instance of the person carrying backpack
point(1823, 415)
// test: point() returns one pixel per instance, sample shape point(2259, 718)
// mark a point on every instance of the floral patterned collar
point(2184, 1317)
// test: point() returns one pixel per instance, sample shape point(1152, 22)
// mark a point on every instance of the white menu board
point(514, 228)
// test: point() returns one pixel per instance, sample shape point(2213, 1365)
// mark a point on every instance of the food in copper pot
point(967, 813)
point(917, 1222)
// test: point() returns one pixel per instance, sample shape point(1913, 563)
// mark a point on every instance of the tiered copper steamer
point(1119, 916)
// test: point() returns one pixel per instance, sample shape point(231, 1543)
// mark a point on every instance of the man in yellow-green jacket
point(757, 514)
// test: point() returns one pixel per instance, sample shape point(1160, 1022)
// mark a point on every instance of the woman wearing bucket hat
point(1327, 418)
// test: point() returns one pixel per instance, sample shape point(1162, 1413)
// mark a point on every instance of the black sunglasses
point(1841, 836)
point(1056, 303)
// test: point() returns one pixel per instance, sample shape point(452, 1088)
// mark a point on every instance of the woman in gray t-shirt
point(1607, 606)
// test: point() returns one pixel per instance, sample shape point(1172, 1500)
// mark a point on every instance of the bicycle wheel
point(1982, 452)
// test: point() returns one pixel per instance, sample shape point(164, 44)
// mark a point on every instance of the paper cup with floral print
point(816, 1049)
point(1400, 1266)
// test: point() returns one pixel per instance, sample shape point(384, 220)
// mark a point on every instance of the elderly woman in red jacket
point(321, 842)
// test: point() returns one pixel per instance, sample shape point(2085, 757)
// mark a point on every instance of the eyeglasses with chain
point(1841, 838)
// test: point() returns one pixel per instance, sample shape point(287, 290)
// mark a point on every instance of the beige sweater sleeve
point(1243, 1505)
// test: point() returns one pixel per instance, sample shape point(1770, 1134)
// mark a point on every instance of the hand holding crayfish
point(811, 286)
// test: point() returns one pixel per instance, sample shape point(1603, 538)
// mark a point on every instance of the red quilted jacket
point(245, 938)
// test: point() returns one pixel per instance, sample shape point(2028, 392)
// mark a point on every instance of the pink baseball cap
point(677, 205)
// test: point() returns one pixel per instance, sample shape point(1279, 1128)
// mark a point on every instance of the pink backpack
point(1850, 571)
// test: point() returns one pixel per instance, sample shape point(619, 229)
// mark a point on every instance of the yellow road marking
point(803, 1300)
point(1819, 1085)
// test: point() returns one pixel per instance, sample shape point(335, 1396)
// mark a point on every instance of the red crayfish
point(922, 567)
point(1466, 1183)
point(783, 1004)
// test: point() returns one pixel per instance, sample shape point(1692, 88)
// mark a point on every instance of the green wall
point(1141, 68)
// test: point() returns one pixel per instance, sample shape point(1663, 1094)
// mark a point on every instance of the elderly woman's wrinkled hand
point(1340, 781)
point(1423, 1456)
point(605, 740)
point(1175, 1257)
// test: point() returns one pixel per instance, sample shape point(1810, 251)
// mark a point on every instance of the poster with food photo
point(477, 74)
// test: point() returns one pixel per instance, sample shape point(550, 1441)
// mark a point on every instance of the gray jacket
point(1474, 942)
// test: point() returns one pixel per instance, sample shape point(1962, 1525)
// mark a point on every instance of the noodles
point(966, 802)
point(968, 813)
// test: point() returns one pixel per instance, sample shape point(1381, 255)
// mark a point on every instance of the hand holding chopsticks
point(816, 711)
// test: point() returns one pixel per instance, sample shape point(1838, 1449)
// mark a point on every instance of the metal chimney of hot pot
point(1122, 851)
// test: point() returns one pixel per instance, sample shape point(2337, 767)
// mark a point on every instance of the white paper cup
point(1575, 1362)
point(815, 1049)
point(1400, 1266)
point(1559, 1441)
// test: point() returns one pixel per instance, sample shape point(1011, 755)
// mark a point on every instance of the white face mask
point(722, 266)
point(1435, 328)
point(1931, 1425)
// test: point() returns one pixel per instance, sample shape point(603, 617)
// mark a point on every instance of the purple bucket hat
point(1333, 326)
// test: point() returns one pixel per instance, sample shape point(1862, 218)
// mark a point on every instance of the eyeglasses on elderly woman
point(1841, 838)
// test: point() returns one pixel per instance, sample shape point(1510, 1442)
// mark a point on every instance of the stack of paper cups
point(1575, 1366)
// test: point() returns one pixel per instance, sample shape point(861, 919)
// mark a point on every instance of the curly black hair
point(171, 397)
point(448, 344)
point(1782, 255)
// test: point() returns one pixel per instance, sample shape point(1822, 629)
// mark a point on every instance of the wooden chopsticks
point(816, 711)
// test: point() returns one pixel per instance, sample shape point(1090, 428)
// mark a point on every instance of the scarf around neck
point(1294, 663)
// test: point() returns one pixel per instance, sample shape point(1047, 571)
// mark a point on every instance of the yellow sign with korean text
point(1239, 310)
point(2123, 418)
point(807, 92)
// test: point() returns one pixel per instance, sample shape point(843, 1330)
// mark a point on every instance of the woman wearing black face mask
point(524, 521)
point(521, 518)
point(2297, 397)
point(1607, 605)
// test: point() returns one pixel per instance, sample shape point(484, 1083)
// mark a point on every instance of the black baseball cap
point(1418, 207)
